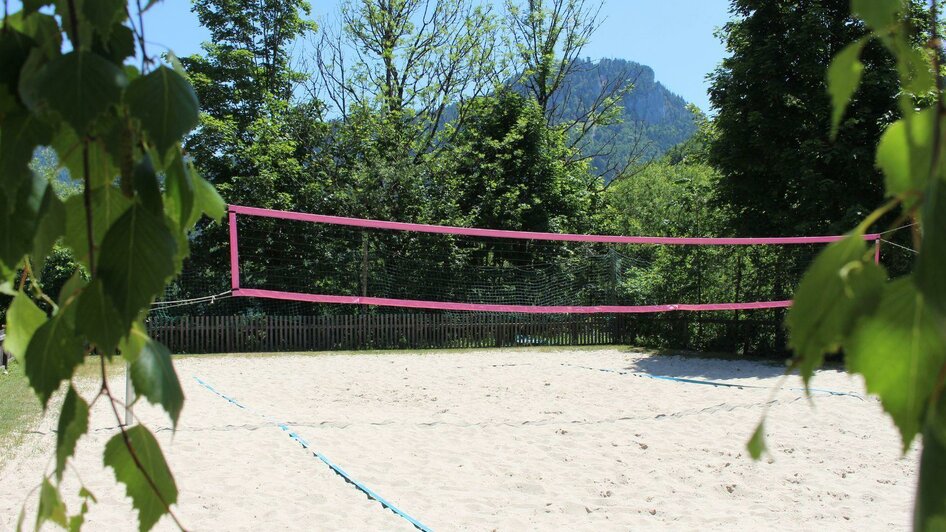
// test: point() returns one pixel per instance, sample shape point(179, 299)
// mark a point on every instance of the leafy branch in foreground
point(893, 333)
point(116, 129)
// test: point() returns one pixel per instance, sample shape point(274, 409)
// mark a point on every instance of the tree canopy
point(480, 114)
point(782, 174)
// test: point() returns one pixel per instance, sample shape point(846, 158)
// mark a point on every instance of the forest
point(826, 118)
point(514, 135)
point(472, 114)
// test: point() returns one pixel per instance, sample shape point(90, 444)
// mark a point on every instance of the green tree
point(510, 169)
point(409, 60)
point(892, 332)
point(256, 141)
point(117, 130)
point(545, 39)
point(372, 173)
point(251, 129)
point(666, 198)
point(395, 71)
point(59, 266)
point(670, 197)
point(782, 174)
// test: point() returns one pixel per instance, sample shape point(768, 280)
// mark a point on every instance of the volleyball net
point(321, 259)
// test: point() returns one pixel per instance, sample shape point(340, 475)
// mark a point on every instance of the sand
point(498, 440)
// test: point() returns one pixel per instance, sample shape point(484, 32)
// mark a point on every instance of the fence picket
point(236, 334)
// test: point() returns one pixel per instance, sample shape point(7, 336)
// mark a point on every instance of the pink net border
point(235, 210)
point(488, 307)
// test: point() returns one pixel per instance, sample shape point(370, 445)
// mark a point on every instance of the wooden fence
point(218, 334)
point(235, 334)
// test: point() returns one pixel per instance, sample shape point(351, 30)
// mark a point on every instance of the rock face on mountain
point(653, 118)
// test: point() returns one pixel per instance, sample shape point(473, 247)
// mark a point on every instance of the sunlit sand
point(498, 439)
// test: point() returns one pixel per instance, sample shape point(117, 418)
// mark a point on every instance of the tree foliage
point(545, 40)
point(115, 129)
point(245, 82)
point(409, 60)
point(510, 170)
point(782, 173)
point(893, 333)
point(255, 141)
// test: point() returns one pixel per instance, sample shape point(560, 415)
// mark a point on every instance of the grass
point(19, 407)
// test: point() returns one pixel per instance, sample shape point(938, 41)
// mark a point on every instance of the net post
point(363, 311)
point(615, 281)
point(234, 253)
point(877, 251)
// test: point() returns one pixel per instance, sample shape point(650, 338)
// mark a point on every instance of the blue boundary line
point(371, 494)
point(711, 383)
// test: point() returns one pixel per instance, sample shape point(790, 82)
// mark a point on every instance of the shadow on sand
point(704, 367)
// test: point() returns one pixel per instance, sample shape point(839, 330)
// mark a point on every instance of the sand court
point(513, 439)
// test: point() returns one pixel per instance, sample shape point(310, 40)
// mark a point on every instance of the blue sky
point(674, 37)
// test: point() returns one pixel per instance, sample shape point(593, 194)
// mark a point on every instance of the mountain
point(653, 118)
